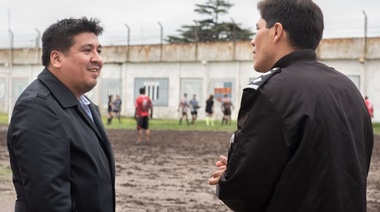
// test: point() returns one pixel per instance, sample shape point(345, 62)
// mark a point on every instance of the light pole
point(38, 38)
point(10, 76)
point(128, 39)
point(365, 38)
point(364, 56)
point(196, 38)
point(233, 39)
point(161, 39)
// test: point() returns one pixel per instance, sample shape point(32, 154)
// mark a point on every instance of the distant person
point(109, 109)
point(210, 111)
point(60, 155)
point(369, 106)
point(116, 107)
point(183, 107)
point(194, 108)
point(227, 106)
point(143, 105)
point(304, 138)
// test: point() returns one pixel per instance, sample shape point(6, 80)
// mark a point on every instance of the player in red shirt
point(142, 105)
point(369, 106)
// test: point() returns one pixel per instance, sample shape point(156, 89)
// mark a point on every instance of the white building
point(170, 70)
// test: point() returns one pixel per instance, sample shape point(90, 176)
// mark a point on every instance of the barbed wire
point(115, 37)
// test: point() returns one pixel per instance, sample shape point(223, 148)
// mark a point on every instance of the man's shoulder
point(262, 79)
point(146, 98)
point(141, 98)
point(35, 96)
point(35, 90)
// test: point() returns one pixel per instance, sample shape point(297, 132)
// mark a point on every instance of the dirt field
point(170, 174)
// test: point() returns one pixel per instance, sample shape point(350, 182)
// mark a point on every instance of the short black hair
point(142, 90)
point(59, 36)
point(301, 19)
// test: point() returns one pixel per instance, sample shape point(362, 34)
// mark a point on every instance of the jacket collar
point(296, 56)
point(64, 96)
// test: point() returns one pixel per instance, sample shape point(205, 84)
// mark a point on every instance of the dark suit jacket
point(61, 159)
point(304, 142)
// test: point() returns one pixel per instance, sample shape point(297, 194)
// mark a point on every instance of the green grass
point(170, 124)
point(5, 174)
point(3, 119)
point(376, 128)
point(157, 124)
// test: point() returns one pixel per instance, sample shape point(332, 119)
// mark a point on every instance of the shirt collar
point(84, 101)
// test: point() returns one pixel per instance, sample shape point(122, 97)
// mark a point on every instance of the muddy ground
point(169, 174)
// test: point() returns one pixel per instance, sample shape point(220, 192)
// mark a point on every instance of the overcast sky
point(343, 18)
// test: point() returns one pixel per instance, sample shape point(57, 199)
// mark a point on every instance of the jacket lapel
point(99, 128)
point(67, 100)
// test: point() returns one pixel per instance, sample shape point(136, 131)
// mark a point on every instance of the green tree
point(210, 29)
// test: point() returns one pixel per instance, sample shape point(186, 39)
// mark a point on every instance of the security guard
point(304, 139)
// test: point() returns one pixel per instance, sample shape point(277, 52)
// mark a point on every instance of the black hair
point(59, 36)
point(301, 19)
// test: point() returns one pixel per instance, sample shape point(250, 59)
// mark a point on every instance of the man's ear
point(278, 32)
point(56, 59)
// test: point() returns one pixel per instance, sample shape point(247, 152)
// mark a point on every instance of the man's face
point(263, 49)
point(81, 66)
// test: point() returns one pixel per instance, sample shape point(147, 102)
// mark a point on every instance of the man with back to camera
point(226, 109)
point(304, 139)
point(369, 105)
point(59, 152)
point(142, 106)
point(194, 108)
point(116, 109)
point(183, 107)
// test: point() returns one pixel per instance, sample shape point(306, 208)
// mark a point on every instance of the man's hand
point(221, 164)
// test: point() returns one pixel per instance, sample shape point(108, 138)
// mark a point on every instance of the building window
point(355, 79)
point(157, 89)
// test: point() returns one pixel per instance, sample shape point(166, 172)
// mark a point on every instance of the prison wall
point(170, 70)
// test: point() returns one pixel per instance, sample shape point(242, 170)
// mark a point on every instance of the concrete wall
point(207, 63)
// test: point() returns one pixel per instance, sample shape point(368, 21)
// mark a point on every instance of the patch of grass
point(3, 119)
point(376, 128)
point(170, 124)
point(5, 174)
point(156, 124)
